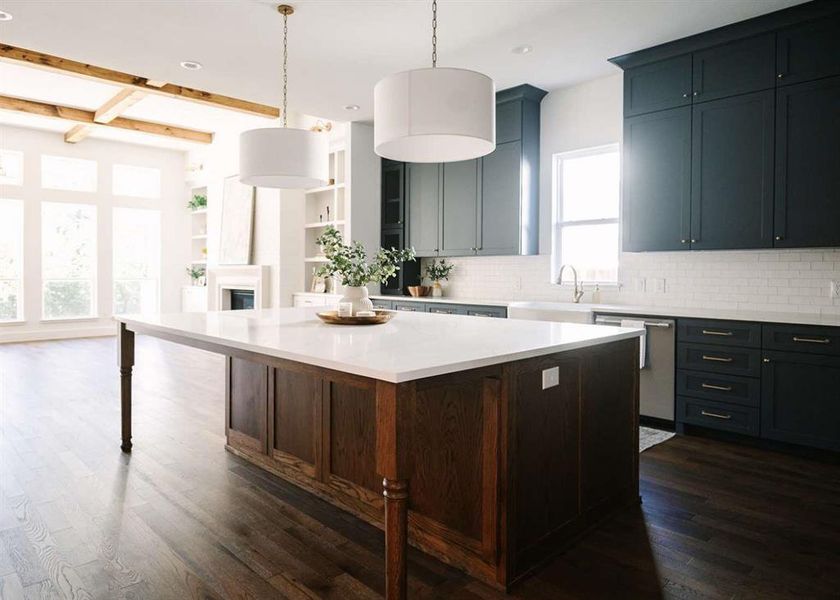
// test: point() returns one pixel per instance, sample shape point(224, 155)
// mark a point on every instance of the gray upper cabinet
point(423, 200)
point(737, 68)
point(808, 51)
point(500, 181)
point(808, 164)
point(657, 181)
point(657, 86)
point(461, 196)
point(732, 172)
point(508, 122)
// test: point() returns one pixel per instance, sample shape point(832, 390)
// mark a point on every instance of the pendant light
point(438, 114)
point(283, 157)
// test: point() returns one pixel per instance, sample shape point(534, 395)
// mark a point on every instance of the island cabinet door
point(294, 420)
point(246, 405)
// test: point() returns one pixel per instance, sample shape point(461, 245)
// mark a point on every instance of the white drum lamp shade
point(280, 157)
point(434, 115)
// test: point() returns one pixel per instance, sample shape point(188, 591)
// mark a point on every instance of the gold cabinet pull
point(718, 358)
point(722, 333)
point(711, 386)
point(715, 415)
point(812, 340)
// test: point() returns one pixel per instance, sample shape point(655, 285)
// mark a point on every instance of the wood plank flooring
point(182, 518)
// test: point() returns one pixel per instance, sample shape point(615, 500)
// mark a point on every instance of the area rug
point(650, 437)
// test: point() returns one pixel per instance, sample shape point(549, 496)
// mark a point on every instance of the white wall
point(588, 115)
point(175, 225)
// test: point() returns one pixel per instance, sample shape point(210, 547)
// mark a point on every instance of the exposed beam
point(64, 65)
point(117, 105)
point(77, 133)
point(79, 115)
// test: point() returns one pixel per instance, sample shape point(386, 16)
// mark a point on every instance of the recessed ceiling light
point(351, 107)
point(4, 16)
point(523, 49)
point(191, 65)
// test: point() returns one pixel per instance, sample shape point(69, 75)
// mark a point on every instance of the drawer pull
point(718, 358)
point(711, 386)
point(721, 333)
point(715, 415)
point(812, 340)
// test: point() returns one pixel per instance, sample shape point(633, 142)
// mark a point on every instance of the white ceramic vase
point(437, 289)
point(358, 297)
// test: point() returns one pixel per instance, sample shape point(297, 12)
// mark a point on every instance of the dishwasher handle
point(617, 322)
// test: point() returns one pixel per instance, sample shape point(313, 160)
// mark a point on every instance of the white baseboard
point(40, 335)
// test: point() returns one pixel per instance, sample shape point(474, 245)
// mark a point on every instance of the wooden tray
point(331, 317)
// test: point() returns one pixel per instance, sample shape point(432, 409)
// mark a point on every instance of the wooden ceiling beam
point(86, 117)
point(64, 65)
point(117, 105)
point(77, 133)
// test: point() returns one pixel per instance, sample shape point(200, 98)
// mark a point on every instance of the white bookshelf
point(193, 297)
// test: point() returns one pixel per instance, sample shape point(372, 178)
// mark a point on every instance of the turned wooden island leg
point(125, 357)
point(391, 463)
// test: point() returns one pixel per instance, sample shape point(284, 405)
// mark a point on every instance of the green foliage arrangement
point(436, 271)
point(195, 273)
point(349, 261)
point(198, 201)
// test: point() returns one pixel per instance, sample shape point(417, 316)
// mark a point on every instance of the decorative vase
point(437, 290)
point(358, 297)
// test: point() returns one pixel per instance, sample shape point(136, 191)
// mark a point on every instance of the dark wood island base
point(483, 469)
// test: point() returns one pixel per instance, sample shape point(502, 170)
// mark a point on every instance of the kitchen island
point(490, 444)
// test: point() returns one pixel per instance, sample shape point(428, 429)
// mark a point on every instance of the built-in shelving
point(325, 206)
point(194, 297)
point(321, 224)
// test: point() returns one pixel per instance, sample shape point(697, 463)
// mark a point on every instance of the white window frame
point(21, 311)
point(114, 279)
point(557, 222)
point(16, 153)
point(94, 278)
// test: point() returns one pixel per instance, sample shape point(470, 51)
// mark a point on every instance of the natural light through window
point(68, 260)
point(72, 174)
point(11, 167)
point(138, 182)
point(11, 260)
point(586, 205)
point(136, 260)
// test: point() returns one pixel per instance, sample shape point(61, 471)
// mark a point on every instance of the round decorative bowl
point(331, 317)
point(419, 290)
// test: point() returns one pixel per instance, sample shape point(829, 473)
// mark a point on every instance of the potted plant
point(437, 271)
point(349, 263)
point(196, 274)
point(197, 202)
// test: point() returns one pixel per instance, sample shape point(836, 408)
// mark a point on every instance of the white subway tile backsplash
point(776, 280)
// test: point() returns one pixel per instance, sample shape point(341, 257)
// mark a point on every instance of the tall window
point(586, 205)
point(11, 260)
point(136, 260)
point(68, 260)
point(64, 173)
point(139, 182)
point(11, 167)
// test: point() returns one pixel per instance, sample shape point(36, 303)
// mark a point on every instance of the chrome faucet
point(578, 290)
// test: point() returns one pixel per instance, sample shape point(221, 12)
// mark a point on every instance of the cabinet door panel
point(732, 173)
point(657, 86)
point(499, 218)
point(423, 207)
point(737, 68)
point(393, 193)
point(508, 121)
point(808, 51)
point(408, 273)
point(247, 404)
point(801, 399)
point(461, 194)
point(807, 191)
point(657, 181)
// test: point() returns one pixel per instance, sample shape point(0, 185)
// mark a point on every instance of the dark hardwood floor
point(182, 518)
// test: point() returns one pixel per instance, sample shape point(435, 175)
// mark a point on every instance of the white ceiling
point(338, 49)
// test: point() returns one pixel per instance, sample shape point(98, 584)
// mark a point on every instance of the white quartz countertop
point(410, 346)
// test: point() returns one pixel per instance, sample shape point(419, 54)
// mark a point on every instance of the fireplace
point(240, 299)
point(238, 287)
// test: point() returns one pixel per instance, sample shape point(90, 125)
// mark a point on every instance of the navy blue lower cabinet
point(724, 416)
point(800, 399)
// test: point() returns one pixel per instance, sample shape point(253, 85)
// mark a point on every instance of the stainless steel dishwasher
point(656, 377)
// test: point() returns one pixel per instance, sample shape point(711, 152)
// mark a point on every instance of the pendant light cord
point(285, 63)
point(434, 33)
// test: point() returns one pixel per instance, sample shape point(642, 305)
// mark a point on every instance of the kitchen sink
point(564, 312)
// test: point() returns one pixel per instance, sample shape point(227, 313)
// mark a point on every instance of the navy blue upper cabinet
point(461, 196)
point(808, 51)
point(500, 181)
point(423, 192)
point(732, 172)
point(508, 121)
point(807, 186)
point(393, 194)
point(657, 181)
point(657, 86)
point(735, 68)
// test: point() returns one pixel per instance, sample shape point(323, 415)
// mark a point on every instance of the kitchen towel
point(634, 324)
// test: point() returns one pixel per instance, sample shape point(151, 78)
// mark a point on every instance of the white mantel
point(222, 279)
